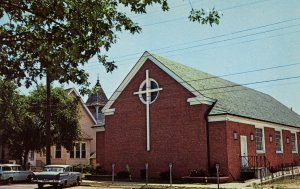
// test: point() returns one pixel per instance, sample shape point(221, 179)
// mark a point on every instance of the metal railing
point(254, 162)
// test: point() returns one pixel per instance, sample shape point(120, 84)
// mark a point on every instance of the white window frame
point(281, 141)
point(263, 140)
point(296, 143)
point(80, 150)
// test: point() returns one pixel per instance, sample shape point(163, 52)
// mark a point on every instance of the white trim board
point(85, 107)
point(133, 72)
point(256, 123)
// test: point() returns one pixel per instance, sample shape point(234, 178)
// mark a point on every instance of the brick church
point(165, 112)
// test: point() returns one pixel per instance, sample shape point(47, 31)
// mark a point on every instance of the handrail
point(254, 162)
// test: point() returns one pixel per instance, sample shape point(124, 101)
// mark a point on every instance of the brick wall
point(100, 146)
point(178, 130)
point(229, 150)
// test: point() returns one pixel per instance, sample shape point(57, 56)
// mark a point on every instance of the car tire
point(40, 185)
point(10, 180)
point(29, 178)
point(78, 182)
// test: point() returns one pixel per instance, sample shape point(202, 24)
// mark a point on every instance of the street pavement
point(130, 185)
point(34, 186)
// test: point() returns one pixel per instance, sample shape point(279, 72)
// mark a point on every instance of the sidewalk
point(118, 184)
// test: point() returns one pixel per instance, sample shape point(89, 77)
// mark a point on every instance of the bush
point(143, 173)
point(198, 173)
point(164, 175)
point(99, 171)
point(84, 168)
point(123, 175)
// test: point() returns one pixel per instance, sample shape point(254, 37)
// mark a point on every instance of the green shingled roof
point(237, 100)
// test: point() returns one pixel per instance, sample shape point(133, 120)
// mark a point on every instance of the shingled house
point(165, 112)
point(84, 150)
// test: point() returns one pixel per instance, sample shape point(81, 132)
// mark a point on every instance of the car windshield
point(54, 169)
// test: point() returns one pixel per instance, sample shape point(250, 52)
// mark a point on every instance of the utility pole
point(48, 116)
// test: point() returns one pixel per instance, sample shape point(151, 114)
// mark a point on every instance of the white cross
point(148, 92)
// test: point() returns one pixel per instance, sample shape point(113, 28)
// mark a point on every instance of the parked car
point(57, 175)
point(14, 172)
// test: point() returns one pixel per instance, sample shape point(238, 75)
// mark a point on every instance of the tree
point(54, 38)
point(65, 128)
point(23, 121)
point(7, 99)
point(40, 37)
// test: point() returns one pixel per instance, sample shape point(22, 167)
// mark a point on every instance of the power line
point(231, 74)
point(209, 38)
point(223, 87)
point(183, 17)
point(219, 41)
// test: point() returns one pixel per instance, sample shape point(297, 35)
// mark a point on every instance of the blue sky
point(253, 34)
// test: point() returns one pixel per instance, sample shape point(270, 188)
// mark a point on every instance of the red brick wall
point(233, 147)
point(279, 158)
point(100, 146)
point(218, 145)
point(178, 130)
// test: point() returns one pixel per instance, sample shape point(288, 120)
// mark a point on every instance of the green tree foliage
point(65, 127)
point(60, 36)
point(7, 99)
point(23, 121)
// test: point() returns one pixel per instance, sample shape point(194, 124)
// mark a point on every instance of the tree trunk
point(26, 152)
point(48, 124)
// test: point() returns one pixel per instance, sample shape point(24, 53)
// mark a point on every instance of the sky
point(252, 35)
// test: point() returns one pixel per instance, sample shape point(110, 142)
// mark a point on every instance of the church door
point(244, 151)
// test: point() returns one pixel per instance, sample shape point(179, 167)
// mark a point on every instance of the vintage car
point(14, 172)
point(57, 175)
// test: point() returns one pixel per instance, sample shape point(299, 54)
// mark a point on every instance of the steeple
point(96, 101)
point(98, 97)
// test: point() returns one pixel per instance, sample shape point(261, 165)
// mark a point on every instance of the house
point(164, 112)
point(84, 150)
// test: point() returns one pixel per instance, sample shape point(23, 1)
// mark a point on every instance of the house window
point(78, 151)
point(31, 156)
point(259, 140)
point(278, 142)
point(294, 143)
point(58, 152)
point(83, 150)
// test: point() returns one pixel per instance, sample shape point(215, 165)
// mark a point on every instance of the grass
point(287, 183)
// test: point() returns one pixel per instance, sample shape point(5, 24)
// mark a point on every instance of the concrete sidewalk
point(117, 184)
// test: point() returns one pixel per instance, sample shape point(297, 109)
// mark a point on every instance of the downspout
point(207, 135)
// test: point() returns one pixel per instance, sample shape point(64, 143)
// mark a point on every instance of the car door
point(16, 173)
point(22, 175)
point(7, 172)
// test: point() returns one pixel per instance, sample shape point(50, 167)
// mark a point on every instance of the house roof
point(232, 98)
point(69, 91)
point(98, 97)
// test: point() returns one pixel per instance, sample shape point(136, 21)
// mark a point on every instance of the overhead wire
point(119, 58)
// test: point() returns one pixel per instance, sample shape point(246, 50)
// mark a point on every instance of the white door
point(244, 151)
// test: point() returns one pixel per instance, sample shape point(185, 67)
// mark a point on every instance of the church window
point(153, 91)
point(278, 141)
point(294, 143)
point(259, 140)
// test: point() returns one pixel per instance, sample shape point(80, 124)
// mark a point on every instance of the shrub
point(164, 175)
point(99, 171)
point(84, 168)
point(143, 173)
point(123, 175)
point(198, 173)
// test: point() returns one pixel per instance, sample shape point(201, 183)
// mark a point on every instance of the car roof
point(10, 165)
point(64, 166)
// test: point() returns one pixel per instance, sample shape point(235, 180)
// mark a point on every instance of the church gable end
point(175, 127)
